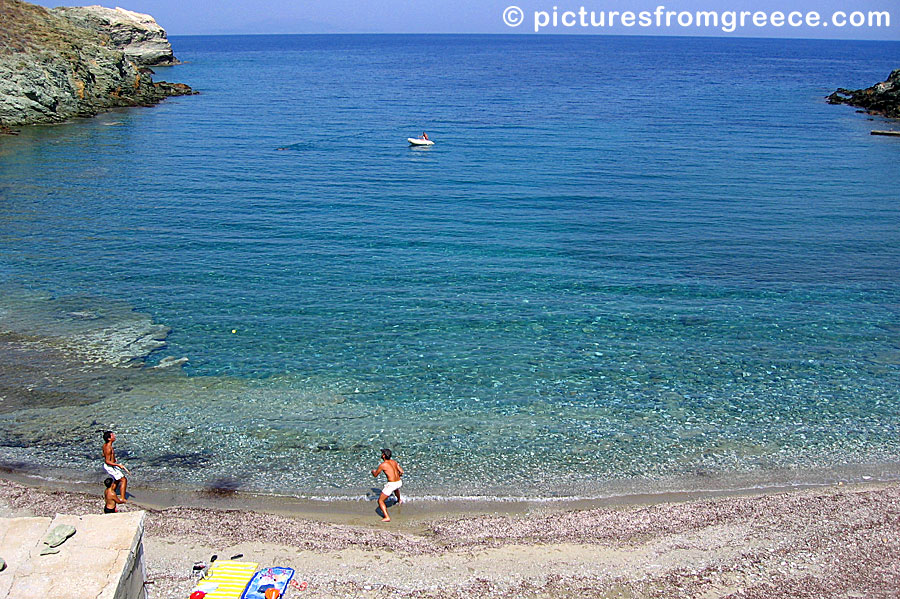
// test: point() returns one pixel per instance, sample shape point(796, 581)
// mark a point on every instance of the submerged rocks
point(137, 35)
point(171, 362)
point(52, 69)
point(87, 331)
point(882, 98)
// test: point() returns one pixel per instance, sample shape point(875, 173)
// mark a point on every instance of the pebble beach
point(630, 323)
point(833, 541)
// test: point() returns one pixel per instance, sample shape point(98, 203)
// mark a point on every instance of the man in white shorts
point(114, 469)
point(393, 472)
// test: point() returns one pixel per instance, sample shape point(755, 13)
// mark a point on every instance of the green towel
point(58, 535)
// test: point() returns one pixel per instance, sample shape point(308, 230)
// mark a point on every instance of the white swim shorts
point(114, 471)
point(391, 487)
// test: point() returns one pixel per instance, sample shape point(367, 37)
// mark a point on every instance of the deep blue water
point(627, 258)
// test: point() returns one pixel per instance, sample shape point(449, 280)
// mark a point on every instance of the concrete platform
point(104, 559)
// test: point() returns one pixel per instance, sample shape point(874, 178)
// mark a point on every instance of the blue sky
point(188, 17)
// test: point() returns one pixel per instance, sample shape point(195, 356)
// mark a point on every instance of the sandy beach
point(835, 541)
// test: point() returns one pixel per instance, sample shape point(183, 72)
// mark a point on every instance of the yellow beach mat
point(231, 578)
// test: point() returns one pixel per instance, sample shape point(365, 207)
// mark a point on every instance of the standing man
point(393, 472)
point(114, 469)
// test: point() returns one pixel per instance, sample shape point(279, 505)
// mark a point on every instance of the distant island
point(60, 63)
point(882, 98)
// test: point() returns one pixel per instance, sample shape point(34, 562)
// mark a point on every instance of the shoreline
point(342, 509)
point(85, 358)
point(832, 541)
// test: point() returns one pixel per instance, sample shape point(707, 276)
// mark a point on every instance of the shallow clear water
point(625, 259)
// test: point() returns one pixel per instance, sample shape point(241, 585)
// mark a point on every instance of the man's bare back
point(393, 471)
point(109, 495)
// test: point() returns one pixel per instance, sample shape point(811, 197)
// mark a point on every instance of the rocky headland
point(68, 62)
point(882, 98)
point(137, 35)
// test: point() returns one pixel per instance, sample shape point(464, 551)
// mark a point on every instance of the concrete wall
point(104, 559)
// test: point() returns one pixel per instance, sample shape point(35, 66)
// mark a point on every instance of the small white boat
point(418, 141)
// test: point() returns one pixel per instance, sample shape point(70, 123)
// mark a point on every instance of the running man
point(109, 495)
point(114, 469)
point(393, 472)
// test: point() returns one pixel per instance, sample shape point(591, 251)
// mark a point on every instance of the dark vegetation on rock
point(53, 68)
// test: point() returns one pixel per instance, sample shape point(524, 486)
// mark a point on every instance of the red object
point(198, 595)
point(273, 593)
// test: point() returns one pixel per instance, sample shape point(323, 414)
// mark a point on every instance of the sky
point(196, 17)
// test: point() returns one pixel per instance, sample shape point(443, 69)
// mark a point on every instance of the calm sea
point(626, 263)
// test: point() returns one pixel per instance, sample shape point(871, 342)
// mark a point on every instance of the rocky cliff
point(882, 98)
point(53, 68)
point(137, 35)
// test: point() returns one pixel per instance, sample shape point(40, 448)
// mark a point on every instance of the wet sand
point(836, 541)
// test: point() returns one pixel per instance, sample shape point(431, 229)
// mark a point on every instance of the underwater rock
point(171, 362)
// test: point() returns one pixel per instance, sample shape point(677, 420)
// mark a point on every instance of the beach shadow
point(373, 495)
point(221, 487)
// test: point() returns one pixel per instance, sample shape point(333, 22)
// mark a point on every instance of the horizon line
point(536, 35)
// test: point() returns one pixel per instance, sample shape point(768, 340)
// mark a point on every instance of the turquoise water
point(624, 260)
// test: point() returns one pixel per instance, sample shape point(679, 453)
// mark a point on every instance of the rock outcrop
point(137, 35)
point(882, 98)
point(52, 69)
